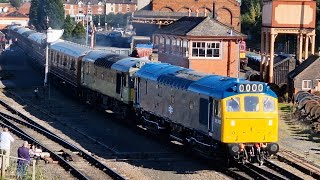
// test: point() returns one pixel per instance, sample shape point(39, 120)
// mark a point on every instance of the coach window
point(65, 61)
point(233, 104)
point(58, 58)
point(251, 103)
point(306, 84)
point(73, 65)
point(268, 104)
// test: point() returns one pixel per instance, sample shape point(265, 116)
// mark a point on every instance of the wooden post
point(262, 54)
point(300, 47)
point(271, 58)
point(33, 169)
point(306, 48)
point(2, 166)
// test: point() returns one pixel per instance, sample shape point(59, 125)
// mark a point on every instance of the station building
point(200, 43)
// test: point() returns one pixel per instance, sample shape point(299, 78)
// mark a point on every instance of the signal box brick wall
point(227, 11)
point(216, 66)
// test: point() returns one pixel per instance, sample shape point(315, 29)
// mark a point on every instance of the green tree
point(79, 33)
point(68, 27)
point(113, 20)
point(251, 19)
point(16, 3)
point(41, 9)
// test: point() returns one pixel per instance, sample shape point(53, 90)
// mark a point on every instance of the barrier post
point(33, 169)
point(2, 166)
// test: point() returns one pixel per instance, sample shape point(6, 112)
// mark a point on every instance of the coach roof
point(69, 48)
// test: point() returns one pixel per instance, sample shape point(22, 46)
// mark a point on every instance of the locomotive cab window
point(251, 103)
point(233, 105)
point(268, 104)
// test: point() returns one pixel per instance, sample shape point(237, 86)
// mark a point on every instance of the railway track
point(270, 170)
point(285, 166)
point(85, 167)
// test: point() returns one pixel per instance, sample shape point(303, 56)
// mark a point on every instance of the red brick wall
point(228, 11)
point(213, 66)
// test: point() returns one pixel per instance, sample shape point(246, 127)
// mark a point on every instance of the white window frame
point(206, 48)
point(309, 85)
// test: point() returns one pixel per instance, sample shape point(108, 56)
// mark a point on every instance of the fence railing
point(17, 168)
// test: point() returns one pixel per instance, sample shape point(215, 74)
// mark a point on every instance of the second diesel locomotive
point(213, 114)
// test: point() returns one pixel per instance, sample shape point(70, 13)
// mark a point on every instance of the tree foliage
point(68, 27)
point(112, 20)
point(41, 9)
point(16, 3)
point(251, 18)
point(79, 33)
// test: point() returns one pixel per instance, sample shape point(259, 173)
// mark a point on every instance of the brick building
point(306, 76)
point(225, 11)
point(78, 9)
point(10, 15)
point(200, 43)
point(123, 6)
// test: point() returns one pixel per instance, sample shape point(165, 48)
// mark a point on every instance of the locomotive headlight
point(272, 148)
point(270, 122)
point(233, 122)
point(234, 149)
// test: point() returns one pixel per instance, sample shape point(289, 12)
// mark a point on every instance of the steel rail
point(30, 123)
point(264, 172)
point(66, 165)
point(281, 170)
point(299, 163)
point(252, 173)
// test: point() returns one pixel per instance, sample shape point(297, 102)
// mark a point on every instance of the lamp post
point(46, 70)
point(52, 35)
point(87, 31)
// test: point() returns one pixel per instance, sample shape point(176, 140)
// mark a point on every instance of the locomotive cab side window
point(251, 103)
point(268, 104)
point(233, 104)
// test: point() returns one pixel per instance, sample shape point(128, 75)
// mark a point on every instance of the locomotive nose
point(272, 148)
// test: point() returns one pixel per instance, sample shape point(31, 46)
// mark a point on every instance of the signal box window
point(268, 104)
point(306, 84)
point(206, 49)
point(233, 105)
point(251, 103)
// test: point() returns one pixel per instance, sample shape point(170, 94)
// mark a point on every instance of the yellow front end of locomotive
point(249, 118)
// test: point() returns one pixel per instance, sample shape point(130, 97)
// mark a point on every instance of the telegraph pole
point(47, 54)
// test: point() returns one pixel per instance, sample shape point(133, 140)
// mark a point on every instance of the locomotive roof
point(69, 48)
point(22, 30)
point(103, 59)
point(37, 37)
point(210, 85)
point(13, 27)
point(153, 70)
point(27, 33)
point(127, 64)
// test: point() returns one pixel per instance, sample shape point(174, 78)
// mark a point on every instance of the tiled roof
point(24, 8)
point(95, 2)
point(199, 26)
point(305, 64)
point(15, 14)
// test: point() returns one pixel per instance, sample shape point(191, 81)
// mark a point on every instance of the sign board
point(54, 34)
